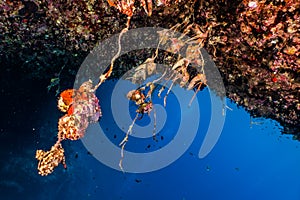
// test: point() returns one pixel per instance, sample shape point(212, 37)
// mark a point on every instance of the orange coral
point(67, 96)
point(65, 100)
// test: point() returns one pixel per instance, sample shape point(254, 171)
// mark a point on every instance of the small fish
point(208, 168)
point(138, 180)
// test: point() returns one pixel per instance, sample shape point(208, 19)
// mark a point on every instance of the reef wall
point(255, 44)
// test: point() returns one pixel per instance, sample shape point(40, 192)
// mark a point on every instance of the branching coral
point(183, 72)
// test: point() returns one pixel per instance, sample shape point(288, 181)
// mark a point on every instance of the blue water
point(251, 160)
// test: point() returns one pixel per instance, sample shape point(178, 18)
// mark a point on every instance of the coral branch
point(103, 77)
point(124, 141)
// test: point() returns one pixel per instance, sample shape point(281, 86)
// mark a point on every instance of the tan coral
point(48, 160)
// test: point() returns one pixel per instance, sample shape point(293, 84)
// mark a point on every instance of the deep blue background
point(250, 161)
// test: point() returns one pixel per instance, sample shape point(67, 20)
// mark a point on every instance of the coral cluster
point(187, 72)
point(81, 107)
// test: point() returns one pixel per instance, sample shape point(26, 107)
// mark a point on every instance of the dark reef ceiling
point(255, 44)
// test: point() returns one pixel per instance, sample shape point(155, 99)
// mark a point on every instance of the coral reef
point(254, 43)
